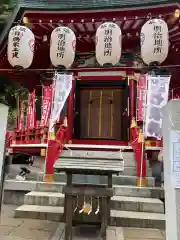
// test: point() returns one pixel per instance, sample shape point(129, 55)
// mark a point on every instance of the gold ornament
point(43, 152)
point(177, 13)
point(25, 20)
point(133, 123)
point(140, 137)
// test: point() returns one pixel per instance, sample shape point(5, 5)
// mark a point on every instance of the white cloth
point(160, 155)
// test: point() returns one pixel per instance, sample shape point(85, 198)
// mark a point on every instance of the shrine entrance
point(102, 113)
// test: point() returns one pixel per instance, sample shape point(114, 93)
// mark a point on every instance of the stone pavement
point(26, 229)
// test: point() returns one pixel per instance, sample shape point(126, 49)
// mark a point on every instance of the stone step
point(118, 218)
point(35, 173)
point(117, 180)
point(118, 202)
point(119, 190)
point(131, 171)
point(137, 219)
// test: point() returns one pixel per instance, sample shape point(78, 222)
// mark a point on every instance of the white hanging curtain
point(157, 98)
point(62, 88)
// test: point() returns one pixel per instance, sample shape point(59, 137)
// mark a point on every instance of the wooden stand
point(97, 196)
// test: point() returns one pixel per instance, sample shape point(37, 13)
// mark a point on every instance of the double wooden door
point(101, 113)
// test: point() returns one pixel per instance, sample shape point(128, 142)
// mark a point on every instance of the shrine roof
point(90, 4)
point(83, 18)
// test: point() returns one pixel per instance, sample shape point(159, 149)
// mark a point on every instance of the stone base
point(141, 182)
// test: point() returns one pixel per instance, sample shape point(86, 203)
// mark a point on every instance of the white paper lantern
point(62, 49)
point(108, 43)
point(154, 41)
point(20, 49)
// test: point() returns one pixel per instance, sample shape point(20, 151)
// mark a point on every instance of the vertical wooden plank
point(107, 114)
point(68, 210)
point(108, 198)
point(68, 227)
point(104, 218)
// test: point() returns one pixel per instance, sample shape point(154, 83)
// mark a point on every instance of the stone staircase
point(130, 207)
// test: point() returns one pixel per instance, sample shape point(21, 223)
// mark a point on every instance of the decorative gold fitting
point(177, 13)
point(25, 20)
point(132, 77)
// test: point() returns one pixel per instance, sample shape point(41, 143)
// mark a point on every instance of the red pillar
point(132, 83)
point(137, 143)
point(53, 151)
point(132, 96)
point(140, 161)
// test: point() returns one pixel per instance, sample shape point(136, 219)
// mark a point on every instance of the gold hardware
point(133, 123)
point(51, 136)
point(132, 77)
point(140, 137)
point(25, 20)
point(177, 13)
point(43, 152)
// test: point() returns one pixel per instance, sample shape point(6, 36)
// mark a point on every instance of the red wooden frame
point(132, 88)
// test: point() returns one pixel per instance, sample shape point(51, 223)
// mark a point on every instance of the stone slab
point(89, 233)
point(9, 221)
point(5, 230)
point(120, 190)
point(30, 234)
point(88, 179)
point(137, 219)
point(41, 225)
point(10, 238)
point(142, 233)
point(118, 218)
point(125, 203)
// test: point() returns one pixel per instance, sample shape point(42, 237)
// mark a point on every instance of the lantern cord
point(148, 17)
point(69, 71)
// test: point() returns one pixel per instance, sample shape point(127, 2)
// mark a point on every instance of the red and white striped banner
point(31, 112)
point(141, 96)
point(46, 105)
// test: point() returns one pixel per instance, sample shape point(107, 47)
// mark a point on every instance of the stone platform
point(26, 229)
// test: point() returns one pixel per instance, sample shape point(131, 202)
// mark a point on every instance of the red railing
point(34, 136)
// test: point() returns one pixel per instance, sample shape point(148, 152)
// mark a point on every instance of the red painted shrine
point(103, 100)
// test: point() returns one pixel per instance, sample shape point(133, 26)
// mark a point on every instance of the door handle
point(110, 101)
point(90, 102)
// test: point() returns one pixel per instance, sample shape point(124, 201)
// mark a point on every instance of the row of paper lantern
point(154, 44)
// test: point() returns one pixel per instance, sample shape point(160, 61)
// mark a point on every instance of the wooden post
point(132, 96)
point(68, 210)
point(70, 103)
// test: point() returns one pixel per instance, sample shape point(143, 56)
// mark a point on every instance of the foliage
point(9, 92)
point(11, 119)
point(8, 88)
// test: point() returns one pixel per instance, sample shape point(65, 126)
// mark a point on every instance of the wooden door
point(101, 113)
